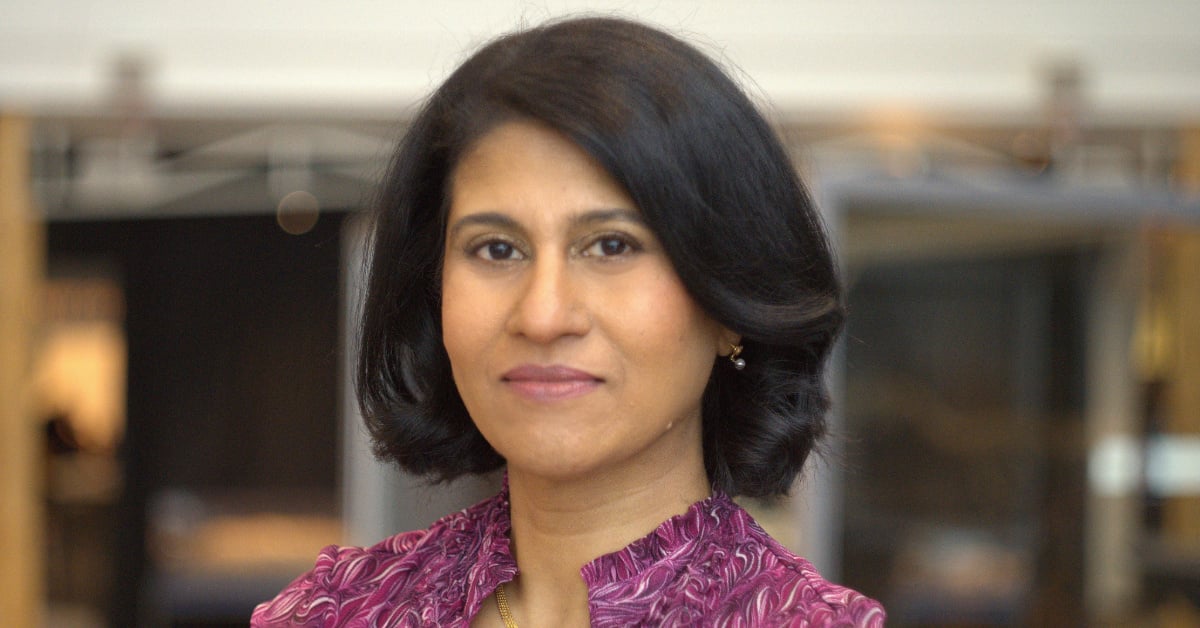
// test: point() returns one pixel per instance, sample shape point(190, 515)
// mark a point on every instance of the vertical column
point(1181, 514)
point(1113, 431)
point(21, 269)
point(1187, 169)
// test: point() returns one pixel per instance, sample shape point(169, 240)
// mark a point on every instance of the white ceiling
point(976, 60)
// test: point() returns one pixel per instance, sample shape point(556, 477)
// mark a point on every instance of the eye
point(497, 251)
point(610, 246)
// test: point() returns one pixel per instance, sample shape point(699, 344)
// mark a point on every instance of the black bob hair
point(712, 181)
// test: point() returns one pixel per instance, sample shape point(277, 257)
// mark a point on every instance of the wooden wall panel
point(21, 268)
point(1181, 514)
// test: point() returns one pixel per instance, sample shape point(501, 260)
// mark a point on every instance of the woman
point(594, 265)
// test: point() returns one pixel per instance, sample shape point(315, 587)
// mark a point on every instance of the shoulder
point(715, 566)
point(777, 587)
point(386, 578)
point(792, 592)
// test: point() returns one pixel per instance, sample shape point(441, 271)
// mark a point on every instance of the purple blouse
point(712, 566)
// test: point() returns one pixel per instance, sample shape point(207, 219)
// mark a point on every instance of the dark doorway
point(232, 328)
point(966, 479)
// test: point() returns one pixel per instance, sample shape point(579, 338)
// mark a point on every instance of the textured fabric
point(711, 566)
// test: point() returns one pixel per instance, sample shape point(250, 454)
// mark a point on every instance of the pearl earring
point(738, 363)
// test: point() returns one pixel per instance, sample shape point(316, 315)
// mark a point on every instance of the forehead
point(524, 163)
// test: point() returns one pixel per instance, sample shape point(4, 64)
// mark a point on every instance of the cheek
point(461, 321)
point(666, 328)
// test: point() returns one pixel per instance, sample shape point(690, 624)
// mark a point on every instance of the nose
point(548, 306)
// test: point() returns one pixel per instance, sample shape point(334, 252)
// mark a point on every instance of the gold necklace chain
point(502, 606)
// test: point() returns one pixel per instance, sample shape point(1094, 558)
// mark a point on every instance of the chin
point(560, 471)
point(555, 462)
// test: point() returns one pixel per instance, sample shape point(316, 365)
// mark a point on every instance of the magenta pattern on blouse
point(711, 566)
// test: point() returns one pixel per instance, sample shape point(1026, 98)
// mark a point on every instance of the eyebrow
point(497, 219)
point(493, 219)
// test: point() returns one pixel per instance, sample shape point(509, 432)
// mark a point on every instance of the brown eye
point(610, 246)
point(498, 251)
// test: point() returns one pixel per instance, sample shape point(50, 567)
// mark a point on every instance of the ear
point(726, 340)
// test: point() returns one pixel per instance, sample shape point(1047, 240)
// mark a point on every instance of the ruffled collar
point(676, 539)
point(707, 521)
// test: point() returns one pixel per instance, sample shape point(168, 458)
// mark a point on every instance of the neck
point(559, 525)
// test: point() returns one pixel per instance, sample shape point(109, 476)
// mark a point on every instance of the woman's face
point(573, 343)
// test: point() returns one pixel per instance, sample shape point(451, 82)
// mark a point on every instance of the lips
point(549, 383)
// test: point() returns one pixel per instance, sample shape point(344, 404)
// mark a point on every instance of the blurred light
point(298, 212)
point(1170, 466)
point(1173, 465)
point(1114, 466)
point(898, 133)
point(79, 369)
point(79, 373)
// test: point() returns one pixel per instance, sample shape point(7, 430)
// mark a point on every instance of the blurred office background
point(1014, 187)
